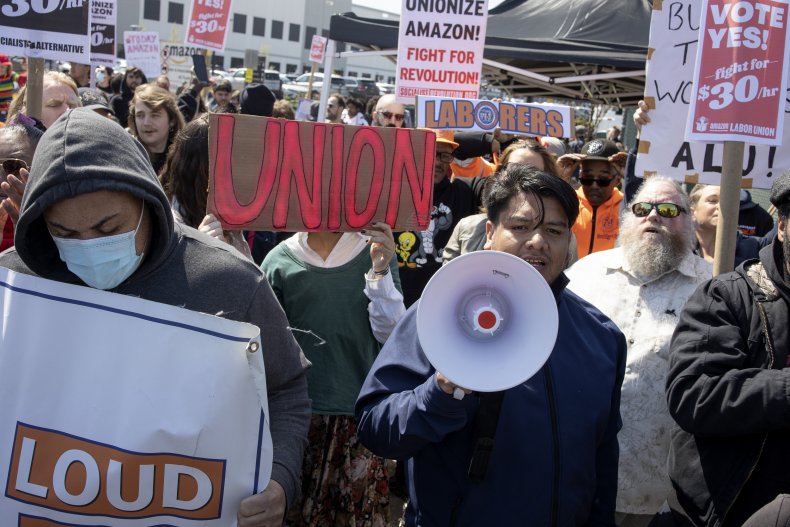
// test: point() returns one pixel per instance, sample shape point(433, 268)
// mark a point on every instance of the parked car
point(385, 88)
point(271, 79)
point(338, 84)
point(366, 89)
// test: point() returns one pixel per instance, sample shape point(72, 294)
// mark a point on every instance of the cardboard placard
point(478, 115)
point(176, 62)
point(674, 29)
point(126, 411)
point(104, 14)
point(142, 50)
point(741, 72)
point(317, 49)
point(208, 24)
point(46, 30)
point(281, 175)
point(440, 49)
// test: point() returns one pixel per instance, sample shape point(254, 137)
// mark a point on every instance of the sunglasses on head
point(588, 181)
point(389, 115)
point(665, 210)
point(13, 166)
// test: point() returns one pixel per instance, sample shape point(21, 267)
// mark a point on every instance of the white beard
point(653, 255)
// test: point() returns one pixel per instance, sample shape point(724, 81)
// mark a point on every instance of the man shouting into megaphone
point(554, 458)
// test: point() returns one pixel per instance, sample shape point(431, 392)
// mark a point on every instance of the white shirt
point(386, 302)
point(358, 119)
point(646, 313)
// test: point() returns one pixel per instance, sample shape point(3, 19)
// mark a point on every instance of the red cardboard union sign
point(281, 175)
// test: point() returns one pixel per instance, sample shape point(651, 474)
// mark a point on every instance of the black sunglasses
point(665, 210)
point(13, 166)
point(588, 181)
point(389, 115)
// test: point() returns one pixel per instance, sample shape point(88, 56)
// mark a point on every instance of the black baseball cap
point(599, 150)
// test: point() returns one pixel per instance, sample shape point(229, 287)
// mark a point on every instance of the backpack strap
point(485, 425)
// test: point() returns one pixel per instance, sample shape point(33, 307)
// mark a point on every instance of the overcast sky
point(393, 6)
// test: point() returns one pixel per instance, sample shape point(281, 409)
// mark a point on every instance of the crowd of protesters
point(666, 398)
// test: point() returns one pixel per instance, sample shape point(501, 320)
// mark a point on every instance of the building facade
point(280, 31)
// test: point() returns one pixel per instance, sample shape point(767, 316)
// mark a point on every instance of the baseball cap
point(446, 137)
point(599, 150)
point(5, 60)
point(94, 100)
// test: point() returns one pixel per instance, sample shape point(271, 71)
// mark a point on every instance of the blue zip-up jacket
point(556, 452)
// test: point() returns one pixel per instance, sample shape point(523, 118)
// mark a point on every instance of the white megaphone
point(487, 321)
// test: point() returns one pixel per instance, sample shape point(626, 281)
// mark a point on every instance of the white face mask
point(102, 263)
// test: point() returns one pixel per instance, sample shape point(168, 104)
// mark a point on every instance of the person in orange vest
point(601, 166)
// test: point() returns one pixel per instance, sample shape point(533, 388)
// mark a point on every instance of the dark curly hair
point(185, 174)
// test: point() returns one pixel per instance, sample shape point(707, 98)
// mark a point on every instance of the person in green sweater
point(341, 294)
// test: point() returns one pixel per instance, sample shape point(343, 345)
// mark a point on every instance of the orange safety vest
point(597, 229)
point(476, 166)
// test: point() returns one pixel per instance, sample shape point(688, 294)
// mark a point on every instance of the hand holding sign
point(212, 227)
point(640, 116)
point(382, 245)
point(266, 509)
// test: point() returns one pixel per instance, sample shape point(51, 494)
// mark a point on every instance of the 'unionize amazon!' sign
point(440, 48)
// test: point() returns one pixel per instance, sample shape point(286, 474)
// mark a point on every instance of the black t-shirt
point(420, 253)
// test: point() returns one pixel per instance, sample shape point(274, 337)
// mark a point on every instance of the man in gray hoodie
point(94, 214)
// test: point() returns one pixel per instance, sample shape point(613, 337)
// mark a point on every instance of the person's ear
point(489, 235)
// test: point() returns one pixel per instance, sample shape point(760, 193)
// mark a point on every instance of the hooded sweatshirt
point(120, 102)
point(84, 152)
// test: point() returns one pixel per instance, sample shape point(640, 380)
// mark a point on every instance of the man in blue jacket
point(556, 451)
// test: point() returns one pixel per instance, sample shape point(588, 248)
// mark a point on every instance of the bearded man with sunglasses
point(642, 285)
point(601, 166)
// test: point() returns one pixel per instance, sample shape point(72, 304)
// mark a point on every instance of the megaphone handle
point(449, 388)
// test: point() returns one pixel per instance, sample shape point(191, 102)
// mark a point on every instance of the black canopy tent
point(581, 49)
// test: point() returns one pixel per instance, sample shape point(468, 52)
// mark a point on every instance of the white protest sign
point(103, 19)
point(440, 49)
point(303, 110)
point(47, 30)
point(317, 48)
point(478, 115)
point(177, 62)
point(142, 50)
point(674, 31)
point(125, 412)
